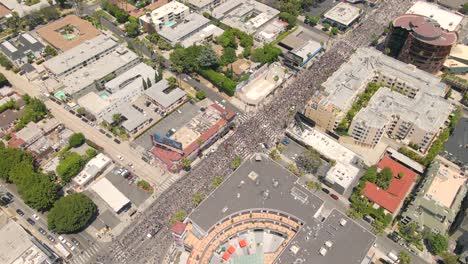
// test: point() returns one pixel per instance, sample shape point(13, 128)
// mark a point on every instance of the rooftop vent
point(323, 251)
point(253, 175)
point(294, 249)
point(275, 183)
point(343, 222)
point(328, 244)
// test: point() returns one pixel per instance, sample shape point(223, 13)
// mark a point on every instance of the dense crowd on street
point(267, 127)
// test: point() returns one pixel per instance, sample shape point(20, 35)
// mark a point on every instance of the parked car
point(5, 200)
point(11, 196)
point(42, 231)
point(76, 242)
point(334, 196)
point(285, 141)
point(116, 141)
point(30, 221)
point(325, 190)
point(51, 238)
point(35, 216)
point(18, 211)
point(62, 240)
point(108, 135)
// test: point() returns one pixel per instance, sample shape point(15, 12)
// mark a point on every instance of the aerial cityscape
point(233, 131)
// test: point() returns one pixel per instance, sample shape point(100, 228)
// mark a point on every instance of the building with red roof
point(226, 256)
point(420, 41)
point(178, 233)
point(188, 141)
point(231, 249)
point(392, 198)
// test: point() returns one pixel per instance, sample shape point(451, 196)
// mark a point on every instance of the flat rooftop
point(110, 194)
point(19, 47)
point(425, 111)
point(343, 13)
point(54, 32)
point(132, 76)
point(268, 185)
point(157, 15)
point(446, 184)
point(245, 15)
point(85, 51)
point(96, 70)
point(200, 3)
point(204, 32)
point(447, 19)
point(343, 87)
point(185, 28)
point(345, 170)
point(157, 93)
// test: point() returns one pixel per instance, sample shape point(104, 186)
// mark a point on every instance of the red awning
point(242, 243)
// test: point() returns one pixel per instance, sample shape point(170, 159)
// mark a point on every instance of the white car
point(120, 157)
point(35, 216)
point(62, 239)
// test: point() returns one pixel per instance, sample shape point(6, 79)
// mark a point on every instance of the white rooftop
point(210, 30)
point(77, 55)
point(157, 15)
point(345, 170)
point(309, 48)
point(131, 76)
point(343, 13)
point(190, 26)
point(446, 18)
point(91, 169)
point(111, 195)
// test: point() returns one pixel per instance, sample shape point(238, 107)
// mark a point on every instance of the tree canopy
point(405, 257)
point(438, 243)
point(288, 18)
point(70, 166)
point(71, 213)
point(309, 161)
point(266, 54)
point(34, 111)
point(76, 140)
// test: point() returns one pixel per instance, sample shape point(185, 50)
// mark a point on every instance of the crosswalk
point(242, 118)
point(168, 183)
point(86, 256)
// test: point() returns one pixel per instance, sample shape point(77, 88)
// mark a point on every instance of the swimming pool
point(103, 95)
point(60, 95)
point(170, 24)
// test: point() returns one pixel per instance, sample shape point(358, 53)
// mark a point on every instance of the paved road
point(150, 173)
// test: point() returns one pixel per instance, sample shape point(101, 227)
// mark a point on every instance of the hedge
point(223, 83)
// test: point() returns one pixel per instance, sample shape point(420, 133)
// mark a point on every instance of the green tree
point(216, 182)
point(405, 257)
point(81, 111)
point(438, 243)
point(71, 213)
point(76, 140)
point(384, 178)
point(132, 29)
point(288, 18)
point(200, 95)
point(172, 82)
point(312, 20)
point(334, 31)
point(309, 161)
point(197, 199)
point(227, 39)
point(3, 80)
point(34, 111)
point(449, 258)
point(49, 51)
point(178, 217)
point(266, 54)
point(90, 153)
point(70, 166)
point(229, 56)
point(236, 162)
point(207, 57)
point(464, 9)
point(186, 163)
point(37, 191)
point(326, 26)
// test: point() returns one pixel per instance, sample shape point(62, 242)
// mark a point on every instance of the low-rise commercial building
point(366, 65)
point(23, 9)
point(415, 120)
point(22, 49)
point(193, 29)
point(92, 169)
point(392, 198)
point(164, 16)
point(164, 98)
point(439, 198)
point(5, 13)
point(457, 60)
point(342, 15)
point(246, 15)
point(111, 195)
point(298, 48)
point(347, 163)
point(19, 247)
point(447, 19)
point(134, 120)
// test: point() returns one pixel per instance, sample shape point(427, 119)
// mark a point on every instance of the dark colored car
point(30, 221)
point(42, 231)
point(84, 120)
point(11, 196)
point(334, 196)
point(76, 242)
point(116, 141)
point(51, 238)
point(5, 200)
point(109, 135)
point(325, 190)
point(18, 211)
point(102, 131)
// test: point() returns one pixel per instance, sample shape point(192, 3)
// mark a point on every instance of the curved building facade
point(420, 41)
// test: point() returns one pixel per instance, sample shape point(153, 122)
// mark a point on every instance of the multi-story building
point(342, 16)
point(22, 49)
point(201, 6)
point(164, 16)
point(420, 41)
point(439, 198)
point(415, 119)
point(367, 65)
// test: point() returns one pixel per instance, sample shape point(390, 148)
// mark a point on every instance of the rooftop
point(266, 185)
point(18, 47)
point(425, 111)
point(157, 15)
point(92, 168)
point(396, 192)
point(157, 93)
point(139, 12)
point(54, 32)
point(4, 10)
point(111, 195)
point(131, 77)
point(426, 30)
point(134, 119)
point(96, 70)
point(83, 52)
point(200, 3)
point(186, 28)
point(22, 8)
point(447, 19)
point(346, 168)
point(205, 32)
point(16, 245)
point(245, 15)
point(343, 13)
point(343, 87)
point(29, 132)
point(446, 184)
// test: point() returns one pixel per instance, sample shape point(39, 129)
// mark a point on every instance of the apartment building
point(201, 6)
point(413, 119)
point(367, 65)
point(164, 16)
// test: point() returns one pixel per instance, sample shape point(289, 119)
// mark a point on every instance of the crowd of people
point(266, 127)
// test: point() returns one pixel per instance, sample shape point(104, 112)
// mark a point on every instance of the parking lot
point(456, 147)
point(175, 120)
point(128, 187)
